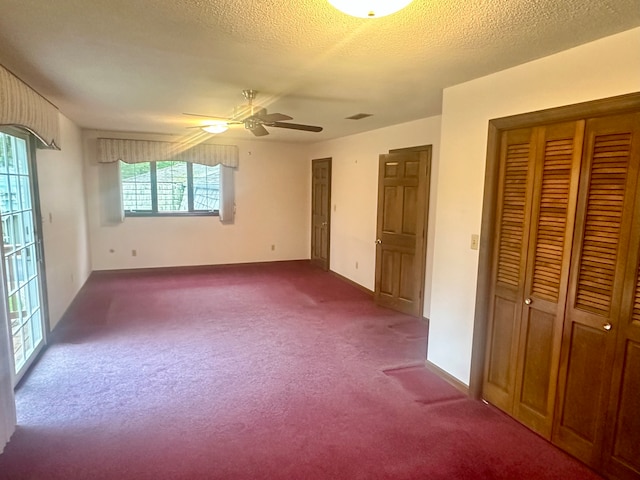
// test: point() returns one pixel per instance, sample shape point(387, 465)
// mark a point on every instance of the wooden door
point(594, 314)
point(540, 170)
point(321, 212)
point(558, 151)
point(403, 185)
point(622, 434)
point(517, 160)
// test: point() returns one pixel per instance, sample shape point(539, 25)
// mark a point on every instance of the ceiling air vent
point(359, 116)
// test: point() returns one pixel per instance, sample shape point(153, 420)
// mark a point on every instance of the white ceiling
point(136, 65)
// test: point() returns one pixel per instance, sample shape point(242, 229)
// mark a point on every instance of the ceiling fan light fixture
point(369, 8)
point(217, 127)
point(255, 120)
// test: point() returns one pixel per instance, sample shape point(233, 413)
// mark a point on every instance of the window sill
point(215, 213)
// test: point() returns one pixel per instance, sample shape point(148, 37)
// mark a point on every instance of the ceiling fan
point(253, 117)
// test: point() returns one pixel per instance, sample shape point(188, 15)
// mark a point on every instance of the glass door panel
point(22, 273)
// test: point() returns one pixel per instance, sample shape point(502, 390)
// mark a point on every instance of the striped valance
point(136, 151)
point(21, 106)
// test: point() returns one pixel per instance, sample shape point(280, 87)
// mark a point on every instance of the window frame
point(154, 196)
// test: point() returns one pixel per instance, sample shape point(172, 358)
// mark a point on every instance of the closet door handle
point(527, 301)
point(378, 241)
point(607, 326)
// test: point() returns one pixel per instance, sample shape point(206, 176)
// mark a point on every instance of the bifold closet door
point(622, 434)
point(517, 160)
point(598, 320)
point(539, 176)
point(557, 174)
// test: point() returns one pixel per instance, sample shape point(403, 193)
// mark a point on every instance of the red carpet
point(271, 371)
point(426, 387)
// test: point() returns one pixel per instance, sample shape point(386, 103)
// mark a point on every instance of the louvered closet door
point(622, 438)
point(593, 315)
point(508, 275)
point(539, 175)
point(557, 172)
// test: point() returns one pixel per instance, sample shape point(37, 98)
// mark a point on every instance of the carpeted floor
point(275, 371)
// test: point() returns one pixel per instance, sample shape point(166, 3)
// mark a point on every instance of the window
point(170, 188)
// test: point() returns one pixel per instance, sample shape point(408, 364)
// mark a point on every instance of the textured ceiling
point(136, 65)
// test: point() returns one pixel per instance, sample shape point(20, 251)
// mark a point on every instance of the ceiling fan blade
point(259, 131)
point(274, 117)
point(211, 117)
point(296, 126)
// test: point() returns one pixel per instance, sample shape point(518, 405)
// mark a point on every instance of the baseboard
point(432, 367)
point(192, 268)
point(351, 282)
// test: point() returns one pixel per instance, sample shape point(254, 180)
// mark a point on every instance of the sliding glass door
point(23, 278)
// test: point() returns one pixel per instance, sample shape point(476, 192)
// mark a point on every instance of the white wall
point(64, 219)
point(354, 195)
point(272, 208)
point(605, 68)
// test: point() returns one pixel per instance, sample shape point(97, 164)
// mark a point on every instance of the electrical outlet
point(475, 241)
point(273, 248)
point(134, 253)
point(356, 265)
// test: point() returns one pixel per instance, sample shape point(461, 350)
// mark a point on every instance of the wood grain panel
point(388, 272)
point(500, 366)
point(407, 278)
point(409, 213)
point(584, 382)
point(539, 346)
point(513, 213)
point(317, 242)
point(391, 170)
point(411, 170)
point(603, 222)
point(627, 435)
point(391, 216)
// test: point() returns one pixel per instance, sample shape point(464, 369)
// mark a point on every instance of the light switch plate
point(475, 241)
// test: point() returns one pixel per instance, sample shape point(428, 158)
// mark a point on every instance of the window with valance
point(157, 178)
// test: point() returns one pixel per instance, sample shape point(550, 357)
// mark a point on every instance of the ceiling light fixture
point(369, 8)
point(218, 127)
